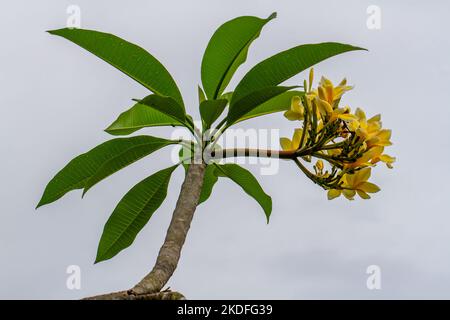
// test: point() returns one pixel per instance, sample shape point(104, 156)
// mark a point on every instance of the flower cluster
point(346, 144)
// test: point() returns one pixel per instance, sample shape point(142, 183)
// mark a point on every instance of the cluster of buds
point(345, 145)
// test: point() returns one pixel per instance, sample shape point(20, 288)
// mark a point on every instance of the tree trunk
point(169, 254)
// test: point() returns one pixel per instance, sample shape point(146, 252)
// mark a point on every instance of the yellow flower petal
point(362, 175)
point(333, 193)
point(368, 187)
point(387, 158)
point(324, 106)
point(375, 118)
point(349, 179)
point(311, 78)
point(362, 194)
point(296, 138)
point(292, 116)
point(360, 114)
point(349, 194)
point(384, 134)
point(319, 165)
point(347, 117)
point(286, 144)
point(296, 105)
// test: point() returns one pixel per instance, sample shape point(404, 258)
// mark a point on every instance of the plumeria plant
point(346, 145)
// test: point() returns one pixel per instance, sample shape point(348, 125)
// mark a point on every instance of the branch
point(127, 295)
point(248, 152)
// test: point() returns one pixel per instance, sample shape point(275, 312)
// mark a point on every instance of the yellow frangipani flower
point(294, 144)
point(344, 114)
point(379, 138)
point(369, 158)
point(297, 110)
point(387, 159)
point(329, 93)
point(370, 130)
point(355, 184)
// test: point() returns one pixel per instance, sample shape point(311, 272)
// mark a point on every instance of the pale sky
point(56, 99)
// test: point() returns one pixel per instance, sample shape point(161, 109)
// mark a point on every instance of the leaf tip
point(272, 16)
point(99, 258)
point(54, 32)
point(40, 203)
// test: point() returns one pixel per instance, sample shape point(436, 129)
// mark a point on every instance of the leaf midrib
point(216, 93)
point(132, 221)
point(121, 154)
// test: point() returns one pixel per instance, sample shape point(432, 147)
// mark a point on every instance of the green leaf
point(286, 64)
point(210, 110)
point(227, 96)
point(277, 104)
point(132, 214)
point(137, 117)
point(166, 105)
point(209, 181)
point(227, 50)
point(98, 163)
point(129, 58)
point(185, 156)
point(243, 106)
point(201, 95)
point(248, 183)
point(126, 157)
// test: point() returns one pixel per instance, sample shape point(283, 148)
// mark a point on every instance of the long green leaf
point(248, 183)
point(126, 157)
point(132, 214)
point(243, 106)
point(209, 181)
point(284, 65)
point(210, 110)
point(277, 104)
point(166, 105)
point(127, 57)
point(98, 163)
point(227, 50)
point(137, 117)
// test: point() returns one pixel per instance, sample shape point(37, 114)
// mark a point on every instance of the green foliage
point(252, 101)
point(166, 105)
point(210, 110)
point(140, 116)
point(209, 181)
point(279, 103)
point(285, 65)
point(129, 58)
point(227, 50)
point(132, 214)
point(248, 183)
point(91, 167)
point(258, 93)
